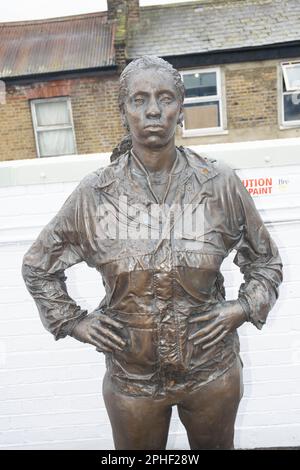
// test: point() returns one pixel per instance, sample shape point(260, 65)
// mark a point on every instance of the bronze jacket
point(154, 284)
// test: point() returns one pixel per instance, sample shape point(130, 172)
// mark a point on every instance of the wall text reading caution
point(258, 186)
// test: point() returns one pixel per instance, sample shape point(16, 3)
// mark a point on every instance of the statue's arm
point(258, 259)
point(57, 247)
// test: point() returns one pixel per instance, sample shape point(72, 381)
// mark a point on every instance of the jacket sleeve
point(57, 248)
point(258, 259)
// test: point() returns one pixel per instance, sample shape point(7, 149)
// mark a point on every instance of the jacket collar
point(202, 167)
point(118, 171)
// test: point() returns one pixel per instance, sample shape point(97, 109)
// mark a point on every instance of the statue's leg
point(138, 423)
point(209, 413)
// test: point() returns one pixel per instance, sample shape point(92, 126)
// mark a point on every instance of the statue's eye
point(166, 99)
point(138, 100)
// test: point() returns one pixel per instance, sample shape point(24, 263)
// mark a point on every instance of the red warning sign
point(258, 186)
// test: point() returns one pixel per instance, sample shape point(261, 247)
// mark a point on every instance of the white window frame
point(38, 129)
point(283, 76)
point(204, 99)
point(285, 66)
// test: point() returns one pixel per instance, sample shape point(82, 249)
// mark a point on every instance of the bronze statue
point(167, 332)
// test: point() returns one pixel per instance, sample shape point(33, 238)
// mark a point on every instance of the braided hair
point(143, 63)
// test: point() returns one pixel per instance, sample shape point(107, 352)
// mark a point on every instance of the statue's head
point(151, 100)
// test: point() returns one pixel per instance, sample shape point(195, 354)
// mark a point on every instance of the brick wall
point(51, 391)
point(251, 95)
point(133, 9)
point(95, 113)
point(16, 131)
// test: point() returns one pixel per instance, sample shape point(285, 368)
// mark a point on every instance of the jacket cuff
point(251, 317)
point(246, 307)
point(67, 328)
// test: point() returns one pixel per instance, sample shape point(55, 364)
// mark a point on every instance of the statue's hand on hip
point(224, 318)
point(101, 331)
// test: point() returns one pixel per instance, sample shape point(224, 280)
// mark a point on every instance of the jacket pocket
point(138, 360)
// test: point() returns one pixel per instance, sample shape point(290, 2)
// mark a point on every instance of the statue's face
point(152, 108)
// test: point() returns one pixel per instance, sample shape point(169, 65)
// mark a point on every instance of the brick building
point(62, 79)
point(240, 61)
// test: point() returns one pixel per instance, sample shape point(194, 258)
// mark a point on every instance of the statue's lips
point(154, 127)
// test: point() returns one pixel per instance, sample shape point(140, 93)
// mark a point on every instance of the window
point(290, 94)
point(53, 127)
point(203, 102)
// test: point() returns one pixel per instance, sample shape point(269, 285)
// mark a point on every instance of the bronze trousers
point(208, 414)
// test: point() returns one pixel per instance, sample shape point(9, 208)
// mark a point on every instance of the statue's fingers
point(201, 317)
point(100, 347)
point(203, 331)
point(110, 334)
point(209, 336)
point(109, 321)
point(105, 341)
point(215, 341)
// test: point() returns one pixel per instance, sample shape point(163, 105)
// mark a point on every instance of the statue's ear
point(180, 116)
point(124, 118)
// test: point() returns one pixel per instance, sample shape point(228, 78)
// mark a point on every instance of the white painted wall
point(50, 392)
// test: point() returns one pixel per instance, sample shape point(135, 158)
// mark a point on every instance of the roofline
point(65, 74)
point(53, 20)
point(244, 54)
point(179, 4)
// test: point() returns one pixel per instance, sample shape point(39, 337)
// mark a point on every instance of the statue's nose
point(153, 108)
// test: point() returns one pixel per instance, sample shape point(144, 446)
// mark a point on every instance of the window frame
point(283, 124)
point(284, 67)
point(220, 97)
point(53, 127)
